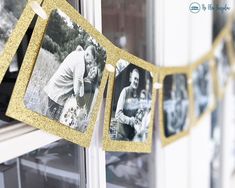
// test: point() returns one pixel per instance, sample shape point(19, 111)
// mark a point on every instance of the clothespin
point(110, 68)
point(190, 81)
point(36, 7)
point(157, 85)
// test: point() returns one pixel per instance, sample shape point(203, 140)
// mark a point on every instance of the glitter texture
point(128, 146)
point(17, 109)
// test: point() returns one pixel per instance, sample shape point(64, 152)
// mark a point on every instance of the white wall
point(172, 36)
point(200, 42)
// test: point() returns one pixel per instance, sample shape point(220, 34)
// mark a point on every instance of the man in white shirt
point(68, 79)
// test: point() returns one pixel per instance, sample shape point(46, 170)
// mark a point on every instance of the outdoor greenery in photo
point(62, 39)
point(63, 36)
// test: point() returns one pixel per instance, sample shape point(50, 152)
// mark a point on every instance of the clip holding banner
point(157, 86)
point(110, 68)
point(36, 7)
point(189, 81)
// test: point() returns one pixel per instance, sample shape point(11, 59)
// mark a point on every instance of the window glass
point(60, 164)
point(56, 165)
point(128, 24)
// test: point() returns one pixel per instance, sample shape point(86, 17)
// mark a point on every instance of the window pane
point(130, 170)
point(128, 24)
point(60, 164)
point(56, 165)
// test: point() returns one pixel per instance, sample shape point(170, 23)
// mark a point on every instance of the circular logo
point(194, 7)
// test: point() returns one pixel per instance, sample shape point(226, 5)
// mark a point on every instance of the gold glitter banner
point(68, 64)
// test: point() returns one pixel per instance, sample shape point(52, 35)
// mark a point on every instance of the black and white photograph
point(202, 88)
point(215, 140)
point(131, 103)
point(10, 12)
point(136, 168)
point(175, 104)
point(222, 64)
point(233, 35)
point(67, 74)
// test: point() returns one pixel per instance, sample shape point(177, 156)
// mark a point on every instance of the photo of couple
point(222, 64)
point(175, 104)
point(131, 104)
point(216, 143)
point(67, 73)
point(202, 88)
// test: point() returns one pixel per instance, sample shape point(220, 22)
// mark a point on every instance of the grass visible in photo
point(46, 65)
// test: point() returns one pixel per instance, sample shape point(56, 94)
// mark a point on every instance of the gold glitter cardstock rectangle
point(131, 141)
point(17, 108)
point(173, 104)
point(211, 86)
point(221, 50)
